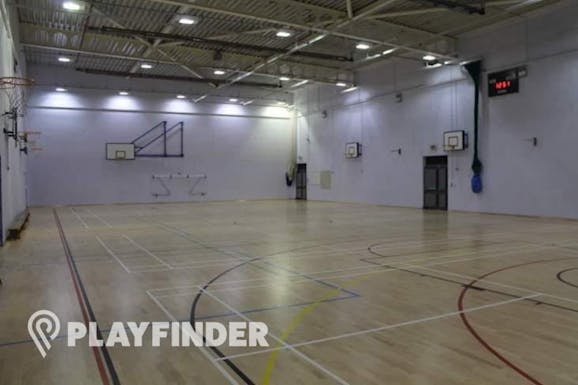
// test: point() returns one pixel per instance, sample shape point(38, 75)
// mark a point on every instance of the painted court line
point(79, 218)
point(112, 254)
point(203, 350)
point(99, 218)
point(285, 345)
point(147, 251)
point(372, 270)
point(381, 328)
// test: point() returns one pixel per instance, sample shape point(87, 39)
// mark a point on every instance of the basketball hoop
point(12, 82)
point(16, 90)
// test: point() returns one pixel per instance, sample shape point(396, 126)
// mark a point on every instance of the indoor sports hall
point(275, 192)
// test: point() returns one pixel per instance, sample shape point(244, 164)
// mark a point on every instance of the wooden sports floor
point(352, 294)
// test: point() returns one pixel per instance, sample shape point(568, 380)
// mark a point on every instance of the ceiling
point(240, 36)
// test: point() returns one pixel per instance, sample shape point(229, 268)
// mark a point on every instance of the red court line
point(479, 338)
point(97, 356)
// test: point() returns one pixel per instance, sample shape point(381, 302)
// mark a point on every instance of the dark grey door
point(435, 183)
point(301, 181)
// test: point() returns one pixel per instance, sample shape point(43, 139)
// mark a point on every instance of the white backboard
point(120, 151)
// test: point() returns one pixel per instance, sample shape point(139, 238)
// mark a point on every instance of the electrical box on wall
point(353, 150)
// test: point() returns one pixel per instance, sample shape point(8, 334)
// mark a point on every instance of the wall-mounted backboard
point(455, 140)
point(353, 150)
point(120, 151)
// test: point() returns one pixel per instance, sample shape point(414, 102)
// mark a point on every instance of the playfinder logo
point(44, 326)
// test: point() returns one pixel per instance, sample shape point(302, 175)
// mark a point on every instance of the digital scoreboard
point(505, 82)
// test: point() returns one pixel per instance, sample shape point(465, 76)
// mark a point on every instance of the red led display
point(502, 83)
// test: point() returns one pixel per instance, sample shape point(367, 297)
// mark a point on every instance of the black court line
point(427, 275)
point(561, 278)
point(104, 351)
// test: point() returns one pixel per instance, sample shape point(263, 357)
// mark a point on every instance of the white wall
point(244, 151)
point(518, 178)
point(13, 162)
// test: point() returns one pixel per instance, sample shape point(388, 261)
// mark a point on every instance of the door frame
point(438, 162)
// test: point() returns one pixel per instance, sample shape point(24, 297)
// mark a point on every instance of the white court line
point(79, 218)
point(148, 252)
point(368, 267)
point(379, 329)
point(503, 284)
point(406, 266)
point(99, 218)
point(373, 270)
point(112, 254)
point(302, 355)
point(203, 349)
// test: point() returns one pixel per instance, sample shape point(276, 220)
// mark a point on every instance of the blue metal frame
point(164, 136)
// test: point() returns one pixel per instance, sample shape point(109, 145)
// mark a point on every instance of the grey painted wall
point(13, 162)
point(519, 178)
point(244, 151)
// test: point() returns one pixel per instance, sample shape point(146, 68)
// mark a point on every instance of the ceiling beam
point(421, 11)
point(370, 9)
point(166, 29)
point(349, 8)
point(158, 36)
point(190, 70)
point(140, 59)
point(284, 23)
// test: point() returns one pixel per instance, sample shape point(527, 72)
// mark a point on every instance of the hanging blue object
point(475, 71)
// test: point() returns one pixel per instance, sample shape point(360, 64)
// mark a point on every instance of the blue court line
point(209, 317)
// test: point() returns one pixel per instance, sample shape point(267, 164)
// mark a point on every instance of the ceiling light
point(284, 33)
point(60, 89)
point(233, 100)
point(64, 59)
point(123, 93)
point(350, 89)
point(429, 58)
point(188, 20)
point(247, 102)
point(284, 78)
point(299, 84)
point(219, 72)
point(181, 97)
point(388, 51)
point(341, 84)
point(71, 6)
point(435, 65)
point(363, 46)
point(146, 66)
point(282, 103)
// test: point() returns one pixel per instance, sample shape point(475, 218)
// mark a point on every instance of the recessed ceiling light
point(284, 78)
point(233, 100)
point(71, 6)
point(123, 93)
point(429, 57)
point(388, 51)
point(188, 20)
point(284, 33)
point(146, 66)
point(64, 59)
point(60, 89)
point(341, 84)
point(363, 46)
point(219, 72)
point(181, 97)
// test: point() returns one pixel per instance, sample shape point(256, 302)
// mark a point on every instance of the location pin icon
point(43, 327)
